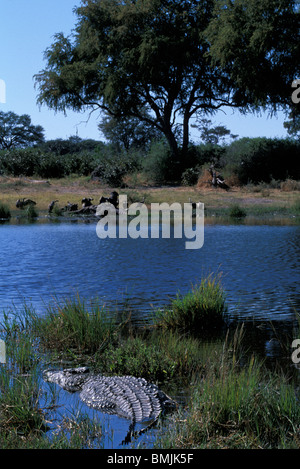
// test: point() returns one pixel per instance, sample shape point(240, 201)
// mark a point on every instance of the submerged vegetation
point(235, 401)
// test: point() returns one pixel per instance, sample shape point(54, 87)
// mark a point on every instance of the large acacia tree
point(164, 61)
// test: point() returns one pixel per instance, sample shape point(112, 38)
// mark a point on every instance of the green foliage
point(51, 166)
point(112, 166)
point(19, 380)
point(255, 42)
point(243, 407)
point(263, 159)
point(236, 403)
point(31, 212)
point(18, 131)
point(135, 357)
point(70, 146)
point(190, 176)
point(200, 310)
point(128, 133)
point(293, 125)
point(33, 161)
point(20, 161)
point(160, 166)
point(26, 407)
point(153, 356)
point(235, 211)
point(4, 212)
point(74, 325)
point(210, 134)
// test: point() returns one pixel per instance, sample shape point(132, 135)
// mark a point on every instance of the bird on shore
point(194, 204)
point(51, 206)
point(24, 202)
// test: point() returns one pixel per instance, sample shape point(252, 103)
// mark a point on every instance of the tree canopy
point(164, 61)
point(18, 131)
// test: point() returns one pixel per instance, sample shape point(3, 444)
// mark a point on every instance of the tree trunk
point(185, 140)
point(172, 144)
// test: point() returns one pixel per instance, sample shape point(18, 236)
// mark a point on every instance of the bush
point(263, 159)
point(112, 167)
point(51, 166)
point(4, 212)
point(83, 163)
point(158, 164)
point(235, 211)
point(190, 176)
point(20, 161)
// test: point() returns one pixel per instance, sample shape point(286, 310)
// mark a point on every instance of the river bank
point(233, 399)
point(261, 202)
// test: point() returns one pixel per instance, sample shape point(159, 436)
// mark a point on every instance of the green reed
point(201, 309)
point(74, 324)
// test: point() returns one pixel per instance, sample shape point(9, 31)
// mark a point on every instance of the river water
point(259, 264)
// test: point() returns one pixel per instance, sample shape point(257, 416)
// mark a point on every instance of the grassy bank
point(235, 401)
point(237, 407)
point(258, 201)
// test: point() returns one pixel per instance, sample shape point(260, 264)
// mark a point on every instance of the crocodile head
point(70, 379)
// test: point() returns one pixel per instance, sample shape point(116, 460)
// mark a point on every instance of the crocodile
point(126, 396)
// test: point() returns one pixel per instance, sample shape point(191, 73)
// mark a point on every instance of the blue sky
point(27, 28)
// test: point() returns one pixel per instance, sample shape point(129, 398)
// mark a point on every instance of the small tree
point(213, 134)
point(18, 131)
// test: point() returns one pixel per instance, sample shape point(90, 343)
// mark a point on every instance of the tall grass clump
point(201, 309)
point(73, 324)
point(4, 212)
point(235, 211)
point(31, 212)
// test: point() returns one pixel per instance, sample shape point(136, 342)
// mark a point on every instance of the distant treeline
point(247, 160)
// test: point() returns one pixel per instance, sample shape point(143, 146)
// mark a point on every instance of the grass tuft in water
point(201, 309)
point(75, 325)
